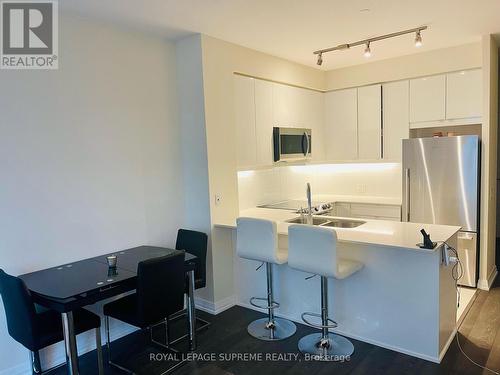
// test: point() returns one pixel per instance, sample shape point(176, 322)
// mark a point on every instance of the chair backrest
point(313, 249)
point(160, 287)
point(19, 310)
point(257, 239)
point(195, 243)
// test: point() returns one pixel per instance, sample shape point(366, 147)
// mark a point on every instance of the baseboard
point(486, 284)
point(55, 354)
point(355, 337)
point(214, 308)
point(447, 345)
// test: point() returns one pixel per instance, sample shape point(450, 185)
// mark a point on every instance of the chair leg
point(270, 328)
point(36, 367)
point(98, 345)
point(167, 343)
point(108, 345)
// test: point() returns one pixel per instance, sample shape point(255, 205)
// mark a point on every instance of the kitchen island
point(403, 299)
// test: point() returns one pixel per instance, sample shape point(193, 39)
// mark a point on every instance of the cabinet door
point(264, 121)
point(286, 106)
point(396, 125)
point(341, 125)
point(427, 98)
point(464, 94)
point(313, 118)
point(244, 107)
point(370, 122)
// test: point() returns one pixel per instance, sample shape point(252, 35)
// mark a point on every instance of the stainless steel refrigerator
point(441, 186)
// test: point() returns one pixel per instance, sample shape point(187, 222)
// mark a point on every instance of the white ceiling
point(292, 29)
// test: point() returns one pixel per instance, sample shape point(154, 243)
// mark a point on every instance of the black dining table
point(70, 286)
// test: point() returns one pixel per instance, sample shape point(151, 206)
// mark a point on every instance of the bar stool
point(257, 239)
point(314, 249)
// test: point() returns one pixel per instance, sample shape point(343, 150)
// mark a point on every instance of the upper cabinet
point(363, 123)
point(244, 115)
point(260, 105)
point(370, 122)
point(446, 99)
point(264, 121)
point(427, 98)
point(464, 94)
point(341, 125)
point(395, 118)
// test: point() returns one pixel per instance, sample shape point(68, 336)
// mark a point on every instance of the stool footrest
point(274, 305)
point(333, 323)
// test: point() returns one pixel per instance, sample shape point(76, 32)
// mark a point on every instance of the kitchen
point(356, 139)
point(374, 139)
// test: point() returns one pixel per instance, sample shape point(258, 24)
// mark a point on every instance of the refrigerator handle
point(406, 214)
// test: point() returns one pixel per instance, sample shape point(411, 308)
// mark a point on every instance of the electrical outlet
point(360, 188)
point(218, 199)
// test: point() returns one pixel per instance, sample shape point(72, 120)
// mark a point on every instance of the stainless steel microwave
point(291, 144)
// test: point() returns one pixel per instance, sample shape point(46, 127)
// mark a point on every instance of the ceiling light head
point(320, 59)
point(418, 39)
point(368, 51)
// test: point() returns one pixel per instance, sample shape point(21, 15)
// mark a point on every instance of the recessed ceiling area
point(294, 29)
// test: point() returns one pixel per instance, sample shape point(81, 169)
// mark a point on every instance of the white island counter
point(403, 299)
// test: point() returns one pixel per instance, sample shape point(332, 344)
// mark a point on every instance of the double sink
point(325, 222)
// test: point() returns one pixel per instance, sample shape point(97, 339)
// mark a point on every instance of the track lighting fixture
point(320, 59)
point(418, 39)
point(367, 42)
point(368, 51)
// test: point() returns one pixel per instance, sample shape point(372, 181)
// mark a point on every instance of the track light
point(418, 39)
point(368, 51)
point(320, 59)
point(418, 42)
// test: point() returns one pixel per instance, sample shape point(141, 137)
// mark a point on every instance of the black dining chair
point(36, 327)
point(195, 243)
point(159, 294)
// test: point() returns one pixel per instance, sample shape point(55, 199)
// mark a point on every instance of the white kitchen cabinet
point(341, 125)
point(464, 94)
point(287, 106)
point(313, 118)
point(370, 122)
point(244, 115)
point(264, 121)
point(396, 125)
point(427, 99)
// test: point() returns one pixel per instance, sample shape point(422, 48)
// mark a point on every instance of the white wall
point(380, 180)
point(194, 144)
point(487, 266)
point(91, 158)
point(220, 61)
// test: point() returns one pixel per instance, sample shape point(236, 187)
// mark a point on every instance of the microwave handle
point(305, 150)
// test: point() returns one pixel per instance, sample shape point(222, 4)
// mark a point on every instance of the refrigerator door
point(467, 249)
point(440, 181)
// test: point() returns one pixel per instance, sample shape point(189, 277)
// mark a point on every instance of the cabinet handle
point(407, 195)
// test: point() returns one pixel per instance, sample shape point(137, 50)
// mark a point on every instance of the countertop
point(373, 232)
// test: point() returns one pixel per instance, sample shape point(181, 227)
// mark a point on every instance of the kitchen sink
point(343, 223)
point(303, 220)
point(336, 223)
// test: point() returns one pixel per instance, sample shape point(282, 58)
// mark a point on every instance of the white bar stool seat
point(313, 249)
point(257, 239)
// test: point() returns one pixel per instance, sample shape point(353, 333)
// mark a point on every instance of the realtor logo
point(29, 35)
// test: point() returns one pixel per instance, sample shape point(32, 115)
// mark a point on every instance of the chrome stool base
point(280, 330)
point(336, 348)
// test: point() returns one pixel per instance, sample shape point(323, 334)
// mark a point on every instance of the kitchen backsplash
point(289, 182)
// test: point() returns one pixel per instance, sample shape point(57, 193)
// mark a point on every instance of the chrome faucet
point(309, 204)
